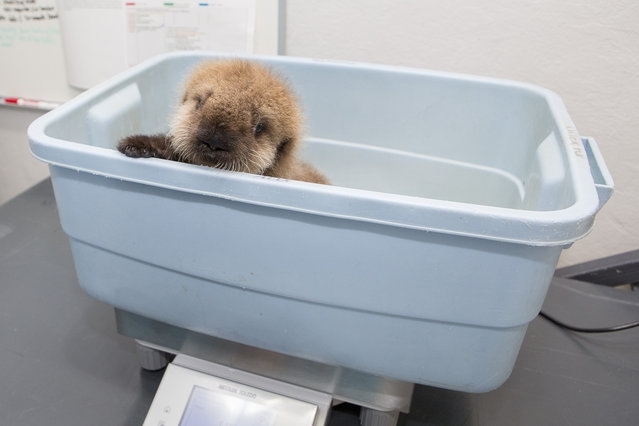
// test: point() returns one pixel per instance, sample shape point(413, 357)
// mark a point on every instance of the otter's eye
point(259, 128)
point(199, 102)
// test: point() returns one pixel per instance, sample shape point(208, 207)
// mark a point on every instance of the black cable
point(611, 329)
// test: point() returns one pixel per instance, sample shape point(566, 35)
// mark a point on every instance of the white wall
point(585, 50)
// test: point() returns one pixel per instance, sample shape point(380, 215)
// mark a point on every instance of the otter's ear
point(199, 101)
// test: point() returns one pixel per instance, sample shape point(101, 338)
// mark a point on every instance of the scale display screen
point(206, 408)
point(192, 398)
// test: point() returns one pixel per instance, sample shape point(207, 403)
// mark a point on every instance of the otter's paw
point(138, 146)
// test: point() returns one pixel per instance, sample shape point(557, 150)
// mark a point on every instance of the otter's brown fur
point(234, 115)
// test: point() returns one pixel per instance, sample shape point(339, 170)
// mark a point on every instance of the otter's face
point(236, 116)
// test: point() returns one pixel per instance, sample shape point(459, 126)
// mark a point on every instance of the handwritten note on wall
point(31, 57)
point(16, 12)
point(27, 10)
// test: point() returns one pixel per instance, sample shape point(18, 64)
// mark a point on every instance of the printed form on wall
point(156, 26)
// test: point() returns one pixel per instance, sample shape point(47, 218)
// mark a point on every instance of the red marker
point(28, 103)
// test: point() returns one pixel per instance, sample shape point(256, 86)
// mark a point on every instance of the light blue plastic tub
point(452, 199)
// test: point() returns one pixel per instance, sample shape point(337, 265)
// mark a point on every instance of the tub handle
point(599, 171)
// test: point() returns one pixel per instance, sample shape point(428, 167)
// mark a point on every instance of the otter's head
point(235, 115)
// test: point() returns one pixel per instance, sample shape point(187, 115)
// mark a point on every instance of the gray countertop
point(63, 363)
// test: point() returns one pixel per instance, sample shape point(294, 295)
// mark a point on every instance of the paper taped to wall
point(157, 26)
point(102, 38)
point(92, 40)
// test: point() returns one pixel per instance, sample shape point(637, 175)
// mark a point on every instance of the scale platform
point(203, 366)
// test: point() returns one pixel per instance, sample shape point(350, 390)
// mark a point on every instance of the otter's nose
point(213, 137)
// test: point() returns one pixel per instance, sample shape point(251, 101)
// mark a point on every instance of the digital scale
point(216, 382)
point(200, 393)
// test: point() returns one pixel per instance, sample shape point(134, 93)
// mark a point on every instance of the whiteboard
point(31, 58)
point(36, 63)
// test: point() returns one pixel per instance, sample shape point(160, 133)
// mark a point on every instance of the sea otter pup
point(234, 115)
